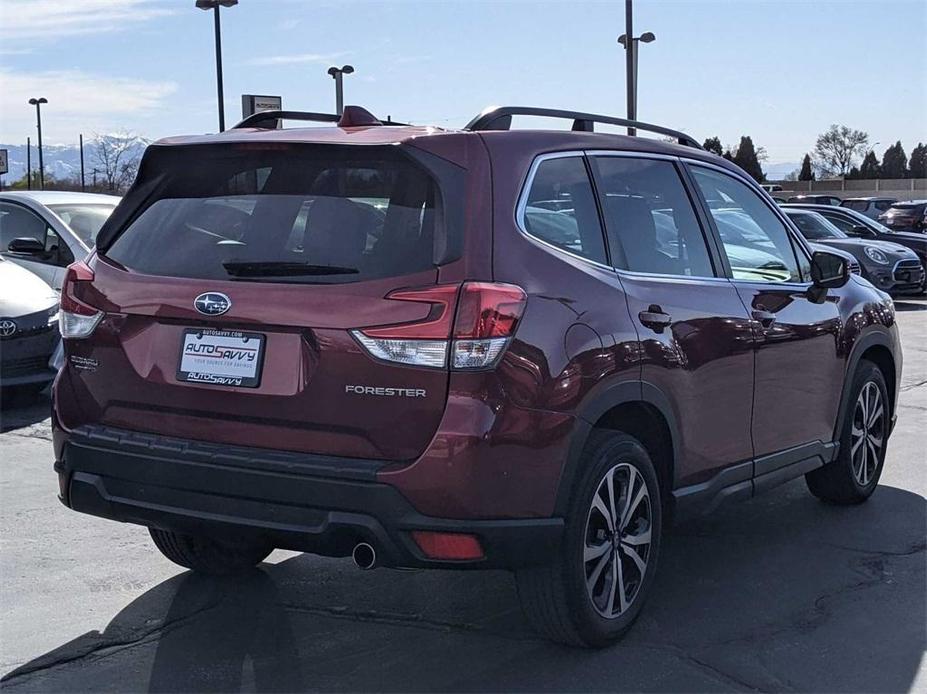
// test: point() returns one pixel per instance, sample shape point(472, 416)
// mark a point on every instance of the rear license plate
point(221, 357)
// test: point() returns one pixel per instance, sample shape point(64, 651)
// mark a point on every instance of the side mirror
point(828, 271)
point(26, 246)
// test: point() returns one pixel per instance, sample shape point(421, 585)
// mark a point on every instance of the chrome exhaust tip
point(364, 556)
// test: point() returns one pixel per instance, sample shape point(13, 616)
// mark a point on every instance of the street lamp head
point(648, 37)
point(36, 102)
point(213, 4)
point(344, 70)
point(623, 40)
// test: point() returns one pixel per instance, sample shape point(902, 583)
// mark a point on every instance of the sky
point(781, 71)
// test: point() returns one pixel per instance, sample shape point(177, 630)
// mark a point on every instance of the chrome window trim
point(629, 154)
point(523, 204)
point(632, 274)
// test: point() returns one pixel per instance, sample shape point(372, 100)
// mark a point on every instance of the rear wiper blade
point(283, 268)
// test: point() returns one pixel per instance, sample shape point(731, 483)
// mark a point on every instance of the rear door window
point(317, 214)
point(560, 208)
point(651, 225)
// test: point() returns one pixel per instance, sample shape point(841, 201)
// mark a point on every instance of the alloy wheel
point(617, 540)
point(867, 435)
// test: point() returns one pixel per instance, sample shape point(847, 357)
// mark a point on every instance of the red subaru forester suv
point(526, 349)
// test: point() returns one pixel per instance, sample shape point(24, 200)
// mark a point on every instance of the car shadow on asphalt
point(782, 592)
point(22, 408)
point(902, 305)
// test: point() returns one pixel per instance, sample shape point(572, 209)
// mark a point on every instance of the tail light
point(486, 317)
point(76, 319)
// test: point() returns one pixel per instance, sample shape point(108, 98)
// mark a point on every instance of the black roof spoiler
point(500, 118)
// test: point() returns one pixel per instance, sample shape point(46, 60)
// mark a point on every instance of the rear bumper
point(24, 359)
point(301, 502)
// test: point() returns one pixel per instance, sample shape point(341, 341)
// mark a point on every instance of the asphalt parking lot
point(781, 593)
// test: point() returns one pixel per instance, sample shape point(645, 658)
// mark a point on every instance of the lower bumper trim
point(323, 515)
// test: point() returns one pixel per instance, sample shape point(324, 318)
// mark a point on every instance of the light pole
point(630, 48)
point(338, 74)
point(214, 6)
point(38, 122)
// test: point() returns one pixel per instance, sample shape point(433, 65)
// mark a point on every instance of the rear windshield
point(285, 213)
point(858, 205)
point(909, 207)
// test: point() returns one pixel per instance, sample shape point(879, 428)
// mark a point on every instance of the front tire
point(209, 555)
point(595, 588)
point(853, 475)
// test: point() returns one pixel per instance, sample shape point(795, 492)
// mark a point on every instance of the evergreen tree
point(807, 172)
point(870, 167)
point(713, 145)
point(727, 154)
point(853, 173)
point(894, 162)
point(746, 158)
point(917, 167)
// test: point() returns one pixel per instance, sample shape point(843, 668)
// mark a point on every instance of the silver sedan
point(47, 230)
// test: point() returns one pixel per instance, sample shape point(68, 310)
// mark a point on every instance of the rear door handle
point(655, 319)
point(765, 318)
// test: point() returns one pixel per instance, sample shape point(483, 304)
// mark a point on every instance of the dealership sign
point(252, 103)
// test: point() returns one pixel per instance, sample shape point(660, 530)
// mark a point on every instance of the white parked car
point(28, 329)
point(47, 230)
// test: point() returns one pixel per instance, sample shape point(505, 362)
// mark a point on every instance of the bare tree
point(116, 157)
point(837, 148)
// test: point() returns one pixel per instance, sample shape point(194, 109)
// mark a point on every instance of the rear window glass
point(858, 205)
point(560, 208)
point(909, 207)
point(316, 214)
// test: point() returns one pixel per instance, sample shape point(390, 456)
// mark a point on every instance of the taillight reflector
point(451, 546)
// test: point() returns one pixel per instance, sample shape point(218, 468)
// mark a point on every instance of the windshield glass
point(303, 213)
point(84, 219)
point(814, 227)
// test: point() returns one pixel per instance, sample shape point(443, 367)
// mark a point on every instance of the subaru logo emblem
point(212, 303)
point(7, 327)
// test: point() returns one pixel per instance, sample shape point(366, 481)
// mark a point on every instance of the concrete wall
point(901, 188)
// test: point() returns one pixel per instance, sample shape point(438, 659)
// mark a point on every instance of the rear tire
point(574, 600)
point(853, 475)
point(209, 555)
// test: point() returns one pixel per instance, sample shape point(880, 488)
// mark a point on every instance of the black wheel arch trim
point(604, 397)
point(873, 338)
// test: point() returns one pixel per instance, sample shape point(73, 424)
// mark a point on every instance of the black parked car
point(906, 216)
point(860, 226)
point(889, 266)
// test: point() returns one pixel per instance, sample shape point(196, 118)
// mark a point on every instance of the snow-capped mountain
point(63, 161)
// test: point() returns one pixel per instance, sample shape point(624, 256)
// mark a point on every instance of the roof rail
point(500, 118)
point(268, 119)
point(353, 116)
